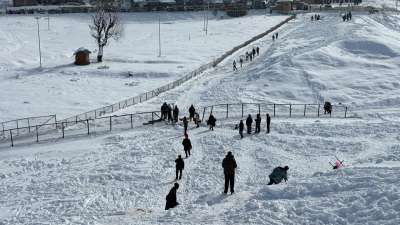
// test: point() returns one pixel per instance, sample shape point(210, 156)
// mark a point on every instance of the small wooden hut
point(82, 56)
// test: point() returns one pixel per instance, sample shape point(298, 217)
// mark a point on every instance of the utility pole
point(159, 36)
point(38, 32)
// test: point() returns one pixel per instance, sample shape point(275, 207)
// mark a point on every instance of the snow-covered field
point(122, 178)
point(65, 89)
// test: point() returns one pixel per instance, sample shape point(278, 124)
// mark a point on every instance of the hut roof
point(82, 49)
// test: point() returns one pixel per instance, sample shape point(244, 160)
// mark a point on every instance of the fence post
point(152, 118)
point(76, 119)
point(204, 111)
point(17, 128)
point(290, 110)
point(305, 108)
point(318, 110)
point(12, 140)
point(29, 126)
point(37, 134)
point(110, 124)
point(242, 110)
point(131, 121)
point(227, 110)
point(62, 127)
point(88, 131)
point(140, 98)
point(259, 109)
point(274, 110)
point(345, 112)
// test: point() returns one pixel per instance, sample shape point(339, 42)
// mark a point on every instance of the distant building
point(283, 6)
point(82, 56)
point(18, 3)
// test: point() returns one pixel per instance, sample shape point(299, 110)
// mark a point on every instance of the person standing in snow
point(258, 123)
point(171, 198)
point(276, 36)
point(197, 119)
point(185, 125)
point(241, 128)
point(254, 53)
point(249, 121)
point(247, 56)
point(169, 112)
point(187, 145)
point(234, 65)
point(229, 165)
point(176, 114)
point(164, 111)
point(241, 62)
point(278, 174)
point(268, 123)
point(251, 57)
point(258, 50)
point(192, 110)
point(179, 166)
point(211, 121)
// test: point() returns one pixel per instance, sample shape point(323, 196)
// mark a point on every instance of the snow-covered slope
point(122, 178)
point(65, 89)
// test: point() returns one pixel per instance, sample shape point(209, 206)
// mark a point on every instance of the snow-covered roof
point(82, 49)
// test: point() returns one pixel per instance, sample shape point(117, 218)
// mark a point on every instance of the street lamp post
point(38, 32)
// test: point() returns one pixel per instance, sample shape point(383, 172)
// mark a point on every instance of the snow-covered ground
point(122, 178)
point(380, 3)
point(65, 89)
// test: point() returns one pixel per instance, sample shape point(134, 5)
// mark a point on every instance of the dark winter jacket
point(176, 112)
point(187, 145)
point(192, 110)
point(268, 119)
point(180, 164)
point(258, 120)
point(171, 199)
point(211, 120)
point(241, 126)
point(278, 174)
point(249, 121)
point(185, 122)
point(229, 165)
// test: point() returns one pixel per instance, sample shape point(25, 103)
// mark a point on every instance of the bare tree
point(105, 25)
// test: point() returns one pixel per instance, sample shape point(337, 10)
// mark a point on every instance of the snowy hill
point(122, 178)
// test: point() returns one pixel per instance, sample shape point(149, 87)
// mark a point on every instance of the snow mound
point(367, 48)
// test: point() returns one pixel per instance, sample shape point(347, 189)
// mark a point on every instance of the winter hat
point(286, 168)
point(176, 185)
point(229, 153)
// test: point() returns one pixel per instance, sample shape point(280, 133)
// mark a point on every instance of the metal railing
point(241, 110)
point(25, 122)
point(57, 130)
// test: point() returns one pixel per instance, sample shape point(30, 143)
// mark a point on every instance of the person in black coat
point(179, 165)
point(258, 50)
point(241, 128)
point(164, 111)
point(185, 125)
point(192, 110)
point(171, 197)
point(176, 114)
point(249, 121)
point(254, 52)
point(229, 165)
point(268, 123)
point(211, 122)
point(258, 123)
point(187, 145)
point(169, 112)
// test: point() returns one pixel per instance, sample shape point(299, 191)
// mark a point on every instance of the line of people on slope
point(347, 16)
point(249, 56)
point(315, 17)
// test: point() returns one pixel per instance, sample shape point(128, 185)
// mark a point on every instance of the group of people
point(275, 36)
point(315, 17)
point(347, 16)
point(169, 113)
point(249, 56)
point(249, 122)
point(229, 166)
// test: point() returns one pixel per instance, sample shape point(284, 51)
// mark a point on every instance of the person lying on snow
point(278, 174)
point(171, 197)
point(338, 164)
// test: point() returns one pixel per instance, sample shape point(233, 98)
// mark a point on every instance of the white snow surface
point(64, 89)
point(122, 178)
